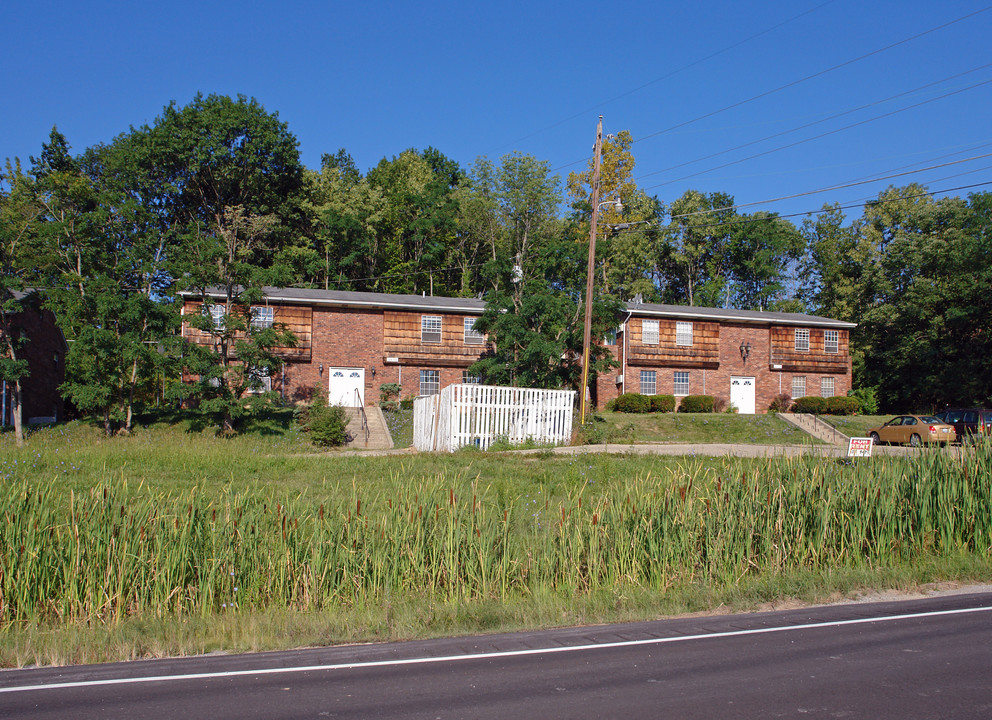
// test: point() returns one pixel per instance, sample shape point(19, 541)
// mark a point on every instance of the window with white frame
point(826, 387)
point(683, 334)
point(831, 341)
point(469, 379)
point(261, 318)
point(681, 382)
point(649, 382)
point(473, 336)
point(216, 313)
point(798, 386)
point(610, 337)
point(430, 382)
point(649, 332)
point(430, 329)
point(259, 381)
point(802, 339)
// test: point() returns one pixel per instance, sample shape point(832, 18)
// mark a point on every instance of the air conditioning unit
point(619, 379)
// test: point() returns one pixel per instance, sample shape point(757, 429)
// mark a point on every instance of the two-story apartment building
point(354, 342)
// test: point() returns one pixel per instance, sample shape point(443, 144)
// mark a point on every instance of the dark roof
point(726, 314)
point(348, 298)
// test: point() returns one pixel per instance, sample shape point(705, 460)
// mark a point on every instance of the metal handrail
point(365, 417)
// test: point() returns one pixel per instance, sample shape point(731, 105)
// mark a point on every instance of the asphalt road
point(929, 658)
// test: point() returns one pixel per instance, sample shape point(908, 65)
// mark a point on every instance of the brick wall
point(45, 353)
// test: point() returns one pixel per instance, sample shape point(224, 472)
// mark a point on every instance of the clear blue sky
point(688, 80)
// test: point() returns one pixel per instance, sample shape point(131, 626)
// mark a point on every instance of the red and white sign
point(860, 447)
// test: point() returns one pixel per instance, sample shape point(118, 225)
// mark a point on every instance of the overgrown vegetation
point(326, 425)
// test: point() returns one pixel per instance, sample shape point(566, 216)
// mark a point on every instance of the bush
point(722, 405)
point(696, 404)
point(407, 403)
point(632, 403)
point(840, 405)
point(867, 398)
point(780, 403)
point(389, 392)
point(326, 424)
point(810, 404)
point(662, 403)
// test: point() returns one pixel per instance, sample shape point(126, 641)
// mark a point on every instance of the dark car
point(968, 422)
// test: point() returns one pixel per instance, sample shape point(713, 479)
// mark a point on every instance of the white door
point(347, 387)
point(742, 394)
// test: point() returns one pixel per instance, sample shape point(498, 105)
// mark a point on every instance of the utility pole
point(590, 271)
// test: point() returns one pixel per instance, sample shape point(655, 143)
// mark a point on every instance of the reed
point(120, 550)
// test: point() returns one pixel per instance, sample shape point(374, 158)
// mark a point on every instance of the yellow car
point(915, 430)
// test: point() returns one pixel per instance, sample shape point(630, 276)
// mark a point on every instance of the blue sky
point(689, 80)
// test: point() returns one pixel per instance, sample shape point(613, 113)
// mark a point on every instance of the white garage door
point(347, 387)
point(742, 394)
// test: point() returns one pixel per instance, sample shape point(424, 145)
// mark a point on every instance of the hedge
point(632, 403)
point(662, 403)
point(696, 404)
point(810, 404)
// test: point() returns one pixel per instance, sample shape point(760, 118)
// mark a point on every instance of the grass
point(856, 425)
point(174, 541)
point(694, 428)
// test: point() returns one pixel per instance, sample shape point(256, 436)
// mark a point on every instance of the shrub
point(867, 398)
point(632, 403)
point(696, 404)
point(662, 403)
point(407, 403)
point(326, 424)
point(780, 403)
point(722, 405)
point(810, 404)
point(389, 391)
point(840, 405)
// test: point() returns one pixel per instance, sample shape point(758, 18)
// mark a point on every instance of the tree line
point(213, 194)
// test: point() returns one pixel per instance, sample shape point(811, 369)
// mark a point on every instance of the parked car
point(969, 423)
point(913, 429)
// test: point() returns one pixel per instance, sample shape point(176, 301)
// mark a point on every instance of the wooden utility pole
point(591, 270)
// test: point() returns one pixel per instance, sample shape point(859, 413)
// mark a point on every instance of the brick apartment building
point(45, 352)
point(354, 342)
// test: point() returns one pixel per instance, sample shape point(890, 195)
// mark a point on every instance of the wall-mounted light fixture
point(745, 350)
point(373, 373)
point(321, 368)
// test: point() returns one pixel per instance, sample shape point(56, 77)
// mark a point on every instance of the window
point(831, 341)
point(799, 386)
point(683, 334)
point(827, 387)
point(469, 379)
point(682, 383)
point(610, 338)
point(473, 336)
point(430, 382)
point(216, 313)
point(259, 381)
point(802, 340)
point(649, 332)
point(430, 328)
point(649, 382)
point(261, 318)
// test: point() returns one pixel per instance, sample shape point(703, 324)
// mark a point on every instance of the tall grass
point(120, 550)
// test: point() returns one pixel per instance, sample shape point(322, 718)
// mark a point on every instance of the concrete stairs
point(378, 435)
point(814, 426)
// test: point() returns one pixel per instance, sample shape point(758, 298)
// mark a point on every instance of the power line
point(814, 75)
point(666, 77)
point(815, 122)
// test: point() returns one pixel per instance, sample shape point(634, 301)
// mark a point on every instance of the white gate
point(479, 414)
point(742, 394)
point(346, 387)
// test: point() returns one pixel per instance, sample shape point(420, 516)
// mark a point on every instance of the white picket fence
point(479, 414)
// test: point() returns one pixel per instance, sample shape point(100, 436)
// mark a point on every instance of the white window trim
point(831, 341)
point(262, 317)
point(428, 331)
point(794, 379)
point(430, 384)
point(652, 380)
point(683, 333)
point(650, 336)
point(824, 383)
point(676, 384)
point(802, 333)
point(472, 336)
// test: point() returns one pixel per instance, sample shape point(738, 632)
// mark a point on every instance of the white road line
point(484, 656)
